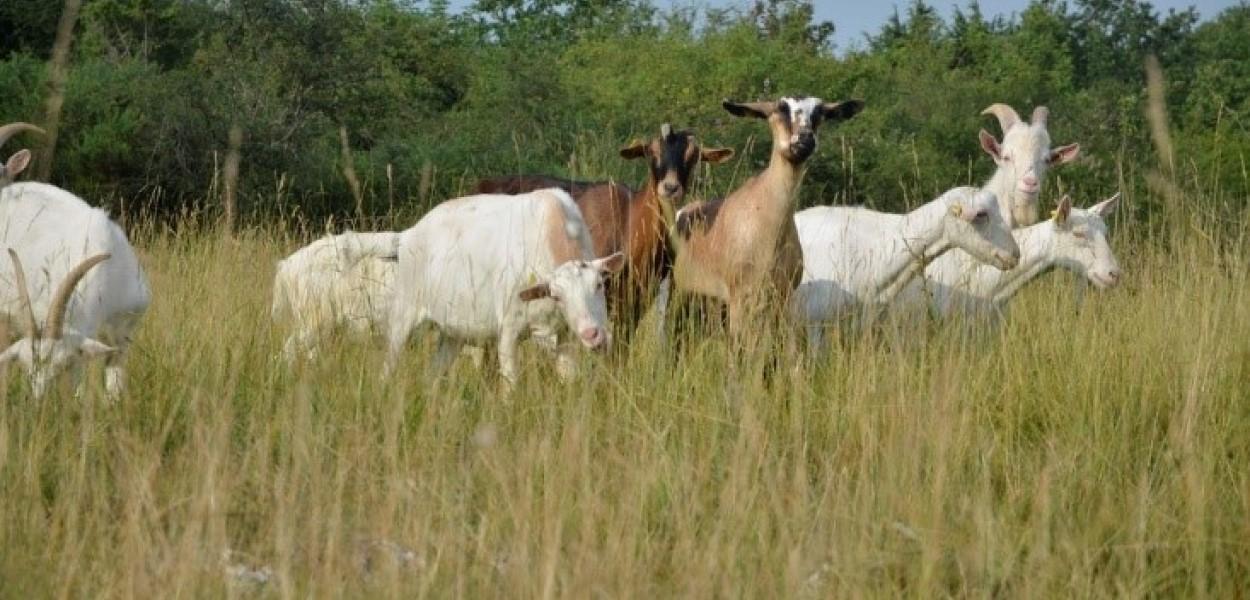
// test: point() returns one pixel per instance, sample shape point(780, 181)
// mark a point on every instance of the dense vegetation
point(556, 85)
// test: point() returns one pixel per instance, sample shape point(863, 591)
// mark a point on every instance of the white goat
point(59, 238)
point(339, 280)
point(1074, 239)
point(855, 258)
point(1022, 158)
point(493, 267)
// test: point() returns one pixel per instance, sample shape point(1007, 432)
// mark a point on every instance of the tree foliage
point(556, 85)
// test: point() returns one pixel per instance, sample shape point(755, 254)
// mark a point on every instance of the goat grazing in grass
point(855, 258)
point(1074, 239)
point(1023, 158)
point(495, 267)
point(86, 312)
point(339, 280)
point(628, 221)
point(744, 250)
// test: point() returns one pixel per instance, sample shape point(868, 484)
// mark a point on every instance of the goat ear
point(636, 149)
point(610, 264)
point(96, 348)
point(16, 163)
point(1063, 211)
point(957, 210)
point(1064, 154)
point(1106, 207)
point(716, 155)
point(535, 292)
point(990, 145)
point(841, 111)
point(759, 110)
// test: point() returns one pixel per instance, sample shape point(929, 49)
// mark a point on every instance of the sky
point(854, 18)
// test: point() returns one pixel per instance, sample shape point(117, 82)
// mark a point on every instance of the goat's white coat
point(1076, 241)
point(464, 265)
point(855, 258)
point(53, 231)
point(339, 280)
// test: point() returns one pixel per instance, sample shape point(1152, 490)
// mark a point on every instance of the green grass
point(1099, 451)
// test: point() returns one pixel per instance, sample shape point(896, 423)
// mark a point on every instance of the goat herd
point(540, 256)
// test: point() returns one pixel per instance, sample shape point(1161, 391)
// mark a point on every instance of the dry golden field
point(1098, 449)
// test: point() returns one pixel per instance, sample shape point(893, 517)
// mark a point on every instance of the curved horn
point(23, 293)
point(1006, 115)
point(13, 129)
point(56, 310)
point(666, 130)
point(1040, 114)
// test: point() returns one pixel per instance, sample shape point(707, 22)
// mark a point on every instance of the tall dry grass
point(1097, 449)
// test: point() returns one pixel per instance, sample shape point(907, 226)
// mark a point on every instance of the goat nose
point(1030, 180)
point(592, 336)
point(1114, 275)
point(670, 188)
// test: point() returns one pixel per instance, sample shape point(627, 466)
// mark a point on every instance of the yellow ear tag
point(957, 210)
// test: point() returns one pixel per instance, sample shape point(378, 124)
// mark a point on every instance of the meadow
point(1094, 445)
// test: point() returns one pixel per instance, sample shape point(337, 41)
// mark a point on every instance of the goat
point(622, 220)
point(61, 238)
point(496, 267)
point(1022, 158)
point(339, 280)
point(1074, 239)
point(743, 250)
point(859, 258)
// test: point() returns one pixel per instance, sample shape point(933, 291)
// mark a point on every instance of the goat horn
point(1040, 114)
point(1006, 115)
point(666, 130)
point(23, 293)
point(56, 311)
point(13, 129)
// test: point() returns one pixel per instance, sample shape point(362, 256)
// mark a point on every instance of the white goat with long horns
point(1022, 158)
point(86, 311)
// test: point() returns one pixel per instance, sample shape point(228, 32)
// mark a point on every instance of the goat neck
point(923, 239)
point(1036, 257)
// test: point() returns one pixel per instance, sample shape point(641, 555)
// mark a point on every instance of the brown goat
point(622, 220)
point(744, 249)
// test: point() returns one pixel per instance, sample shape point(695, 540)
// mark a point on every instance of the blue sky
point(856, 17)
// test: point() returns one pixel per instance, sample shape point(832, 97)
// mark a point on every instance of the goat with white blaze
point(1074, 239)
point(495, 267)
point(1023, 159)
point(86, 310)
point(858, 258)
point(339, 280)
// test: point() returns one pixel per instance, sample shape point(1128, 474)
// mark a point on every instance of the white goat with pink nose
point(494, 268)
point(1022, 158)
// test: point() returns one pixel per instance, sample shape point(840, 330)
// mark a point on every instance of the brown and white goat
point(743, 249)
point(622, 220)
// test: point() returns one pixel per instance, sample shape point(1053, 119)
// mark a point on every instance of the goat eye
point(980, 217)
point(1080, 234)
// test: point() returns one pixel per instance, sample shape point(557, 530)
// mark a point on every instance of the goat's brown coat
point(744, 249)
